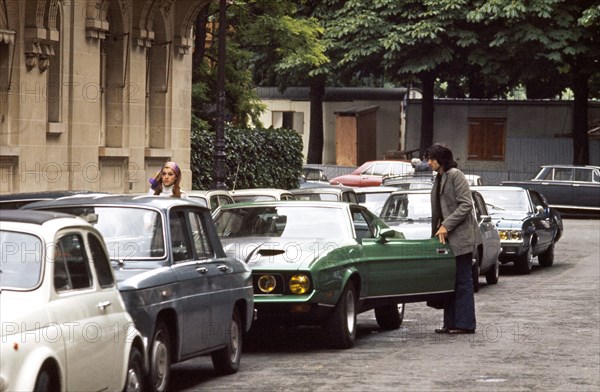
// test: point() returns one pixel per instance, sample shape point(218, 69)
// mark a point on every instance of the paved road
point(535, 332)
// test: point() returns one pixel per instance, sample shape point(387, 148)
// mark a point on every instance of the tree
point(559, 37)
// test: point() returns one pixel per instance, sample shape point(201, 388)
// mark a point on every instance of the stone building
point(94, 94)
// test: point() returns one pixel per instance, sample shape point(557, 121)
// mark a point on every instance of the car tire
point(390, 316)
point(476, 271)
point(46, 382)
point(524, 262)
point(160, 359)
point(227, 360)
point(493, 274)
point(341, 326)
point(546, 259)
point(134, 379)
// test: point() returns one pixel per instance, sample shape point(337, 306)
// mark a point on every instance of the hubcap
point(234, 341)
point(350, 311)
point(161, 362)
point(133, 381)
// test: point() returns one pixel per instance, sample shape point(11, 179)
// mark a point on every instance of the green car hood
point(274, 253)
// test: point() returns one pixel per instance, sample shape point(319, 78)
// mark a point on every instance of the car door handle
point(103, 305)
point(201, 270)
point(223, 268)
point(442, 251)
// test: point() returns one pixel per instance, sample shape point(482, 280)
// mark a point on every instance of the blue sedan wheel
point(227, 360)
point(160, 359)
point(341, 326)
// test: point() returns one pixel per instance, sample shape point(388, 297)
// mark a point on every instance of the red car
point(371, 173)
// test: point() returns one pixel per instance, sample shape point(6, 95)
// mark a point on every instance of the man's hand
point(442, 234)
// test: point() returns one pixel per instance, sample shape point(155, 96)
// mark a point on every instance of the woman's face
point(168, 176)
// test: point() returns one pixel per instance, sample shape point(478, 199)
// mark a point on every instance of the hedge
point(255, 158)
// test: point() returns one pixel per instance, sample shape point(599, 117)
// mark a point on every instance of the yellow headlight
point(299, 284)
point(516, 235)
point(267, 283)
point(503, 235)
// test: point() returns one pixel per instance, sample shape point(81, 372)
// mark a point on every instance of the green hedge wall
point(256, 158)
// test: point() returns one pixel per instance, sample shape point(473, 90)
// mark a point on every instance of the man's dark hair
point(442, 154)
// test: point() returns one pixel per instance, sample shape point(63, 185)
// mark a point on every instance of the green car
point(322, 263)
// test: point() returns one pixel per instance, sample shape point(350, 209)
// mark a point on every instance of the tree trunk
point(199, 40)
point(581, 146)
point(315, 139)
point(427, 80)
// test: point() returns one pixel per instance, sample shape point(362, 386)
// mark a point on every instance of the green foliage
point(256, 158)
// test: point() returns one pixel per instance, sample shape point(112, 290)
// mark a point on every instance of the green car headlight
point(299, 284)
point(267, 283)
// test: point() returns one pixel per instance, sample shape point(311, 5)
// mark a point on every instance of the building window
point(487, 139)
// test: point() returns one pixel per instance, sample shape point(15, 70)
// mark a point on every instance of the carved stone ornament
point(31, 61)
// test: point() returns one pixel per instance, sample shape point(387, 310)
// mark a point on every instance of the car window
point(363, 225)
point(596, 176)
point(72, 270)
point(349, 197)
point(101, 263)
point(224, 200)
point(399, 169)
point(583, 175)
point(214, 203)
point(381, 169)
point(537, 199)
point(180, 244)
point(368, 170)
point(288, 197)
point(480, 208)
point(21, 260)
point(562, 174)
point(201, 241)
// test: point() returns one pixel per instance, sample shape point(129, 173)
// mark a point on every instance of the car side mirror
point(486, 218)
point(386, 234)
point(539, 210)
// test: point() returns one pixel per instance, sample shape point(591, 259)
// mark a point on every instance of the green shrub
point(255, 158)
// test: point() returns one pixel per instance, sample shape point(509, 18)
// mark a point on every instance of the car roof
point(568, 166)
point(497, 187)
point(375, 189)
point(34, 217)
point(129, 200)
point(323, 189)
point(290, 203)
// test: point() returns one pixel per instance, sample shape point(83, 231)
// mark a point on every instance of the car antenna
point(236, 174)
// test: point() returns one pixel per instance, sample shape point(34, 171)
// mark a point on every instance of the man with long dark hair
point(453, 222)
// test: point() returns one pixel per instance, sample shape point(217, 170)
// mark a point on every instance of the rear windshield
point(21, 260)
point(129, 233)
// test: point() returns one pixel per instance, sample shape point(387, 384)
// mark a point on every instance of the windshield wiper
point(495, 207)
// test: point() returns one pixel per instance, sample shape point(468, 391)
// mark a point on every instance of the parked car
point(16, 200)
point(326, 192)
point(322, 263)
point(61, 312)
point(373, 197)
point(211, 199)
point(260, 194)
point(567, 188)
point(528, 226)
point(371, 173)
point(409, 211)
point(314, 174)
point(185, 296)
point(417, 180)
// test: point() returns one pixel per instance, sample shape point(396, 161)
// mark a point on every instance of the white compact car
point(64, 326)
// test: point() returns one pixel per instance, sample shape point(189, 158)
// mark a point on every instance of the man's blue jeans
point(459, 310)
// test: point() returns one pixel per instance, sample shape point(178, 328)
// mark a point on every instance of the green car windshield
point(285, 222)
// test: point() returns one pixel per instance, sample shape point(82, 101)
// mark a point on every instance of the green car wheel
point(341, 326)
